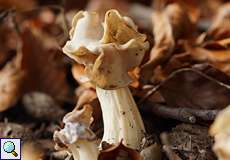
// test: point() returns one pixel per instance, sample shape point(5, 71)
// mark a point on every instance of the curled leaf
point(220, 28)
point(119, 151)
point(202, 87)
point(102, 6)
point(169, 24)
point(218, 53)
point(39, 60)
point(11, 80)
point(22, 5)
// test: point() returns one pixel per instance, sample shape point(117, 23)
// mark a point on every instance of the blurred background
point(39, 84)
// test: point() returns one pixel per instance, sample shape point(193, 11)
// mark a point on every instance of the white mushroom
point(109, 50)
point(220, 130)
point(77, 136)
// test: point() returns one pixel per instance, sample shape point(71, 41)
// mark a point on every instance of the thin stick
point(156, 88)
point(182, 114)
point(149, 93)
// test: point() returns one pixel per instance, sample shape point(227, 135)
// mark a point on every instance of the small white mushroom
point(77, 136)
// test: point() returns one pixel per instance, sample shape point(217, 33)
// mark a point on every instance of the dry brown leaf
point(220, 27)
point(224, 67)
point(176, 62)
point(192, 8)
point(170, 24)
point(119, 151)
point(40, 62)
point(216, 53)
point(11, 80)
point(201, 87)
point(102, 6)
point(140, 13)
point(209, 55)
point(19, 5)
point(8, 40)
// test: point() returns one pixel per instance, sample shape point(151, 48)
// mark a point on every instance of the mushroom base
point(122, 120)
point(84, 150)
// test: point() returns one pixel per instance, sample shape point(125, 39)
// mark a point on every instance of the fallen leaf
point(11, 81)
point(19, 5)
point(169, 24)
point(102, 6)
point(215, 52)
point(41, 64)
point(220, 54)
point(192, 7)
point(201, 87)
point(119, 151)
point(177, 61)
point(8, 40)
point(220, 27)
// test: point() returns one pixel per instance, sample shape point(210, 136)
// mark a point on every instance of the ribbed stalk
point(84, 150)
point(122, 120)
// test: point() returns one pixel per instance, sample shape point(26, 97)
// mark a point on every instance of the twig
point(156, 88)
point(149, 93)
point(182, 114)
point(206, 115)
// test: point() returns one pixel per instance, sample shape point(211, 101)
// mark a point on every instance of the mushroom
point(109, 50)
point(77, 136)
point(220, 130)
